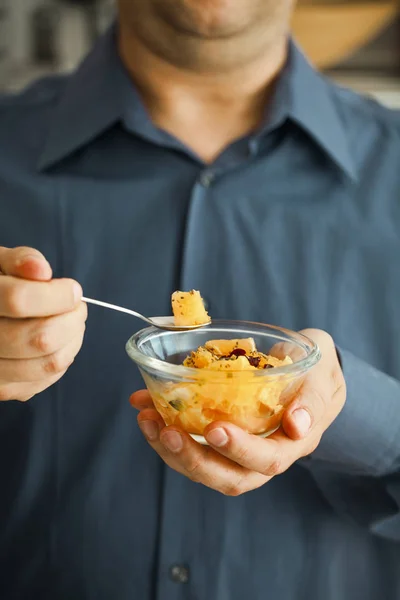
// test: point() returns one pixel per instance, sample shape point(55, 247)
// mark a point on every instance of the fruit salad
point(229, 381)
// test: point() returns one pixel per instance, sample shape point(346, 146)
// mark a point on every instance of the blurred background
point(356, 42)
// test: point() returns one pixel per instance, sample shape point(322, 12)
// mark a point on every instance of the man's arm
point(357, 463)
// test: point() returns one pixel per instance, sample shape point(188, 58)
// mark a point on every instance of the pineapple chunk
point(200, 359)
point(188, 309)
point(226, 347)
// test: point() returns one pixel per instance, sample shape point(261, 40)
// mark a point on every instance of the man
point(196, 147)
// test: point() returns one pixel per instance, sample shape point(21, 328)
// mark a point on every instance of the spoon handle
point(115, 307)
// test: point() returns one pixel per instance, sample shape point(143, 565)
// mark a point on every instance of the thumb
point(308, 407)
point(322, 394)
point(24, 262)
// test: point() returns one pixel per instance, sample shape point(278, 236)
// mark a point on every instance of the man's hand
point(237, 462)
point(42, 323)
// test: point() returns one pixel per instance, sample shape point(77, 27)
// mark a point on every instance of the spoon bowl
point(165, 323)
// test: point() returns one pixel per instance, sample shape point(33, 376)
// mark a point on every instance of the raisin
point(254, 360)
point(238, 352)
point(268, 366)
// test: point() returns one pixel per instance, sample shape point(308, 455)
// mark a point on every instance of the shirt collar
point(100, 93)
point(92, 101)
point(310, 103)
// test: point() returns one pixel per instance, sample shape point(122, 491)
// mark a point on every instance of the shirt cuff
point(365, 438)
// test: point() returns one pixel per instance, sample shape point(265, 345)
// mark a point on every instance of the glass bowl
point(193, 398)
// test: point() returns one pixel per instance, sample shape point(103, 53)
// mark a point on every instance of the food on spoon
point(188, 309)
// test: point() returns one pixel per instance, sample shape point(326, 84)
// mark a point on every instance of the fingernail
point(217, 437)
point(77, 290)
point(172, 440)
point(302, 420)
point(149, 430)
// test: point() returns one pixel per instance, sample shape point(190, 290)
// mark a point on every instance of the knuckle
point(313, 446)
point(319, 402)
point(327, 338)
point(15, 299)
point(43, 341)
point(322, 337)
point(274, 467)
point(55, 363)
point(20, 253)
point(193, 468)
point(26, 398)
point(78, 323)
point(242, 455)
point(234, 489)
point(79, 345)
point(23, 250)
point(337, 379)
point(84, 310)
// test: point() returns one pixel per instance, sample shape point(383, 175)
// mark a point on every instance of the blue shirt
point(297, 225)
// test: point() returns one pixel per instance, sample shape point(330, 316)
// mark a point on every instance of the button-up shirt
point(296, 225)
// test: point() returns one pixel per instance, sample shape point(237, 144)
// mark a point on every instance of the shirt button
point(179, 574)
point(207, 178)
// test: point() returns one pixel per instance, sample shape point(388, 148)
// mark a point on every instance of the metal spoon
point(166, 323)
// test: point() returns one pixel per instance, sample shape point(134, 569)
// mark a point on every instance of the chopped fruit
point(232, 355)
point(227, 347)
point(201, 359)
point(188, 309)
point(228, 384)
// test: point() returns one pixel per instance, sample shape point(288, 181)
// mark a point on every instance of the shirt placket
point(182, 563)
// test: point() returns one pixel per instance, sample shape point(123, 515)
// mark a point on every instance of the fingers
point(249, 451)
point(24, 262)
point(199, 463)
point(141, 400)
point(32, 338)
point(270, 457)
point(308, 409)
point(21, 299)
point(42, 323)
point(43, 368)
point(25, 391)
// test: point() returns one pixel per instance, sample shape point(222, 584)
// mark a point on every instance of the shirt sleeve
point(357, 464)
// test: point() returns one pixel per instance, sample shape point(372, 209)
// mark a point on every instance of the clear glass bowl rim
point(178, 371)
